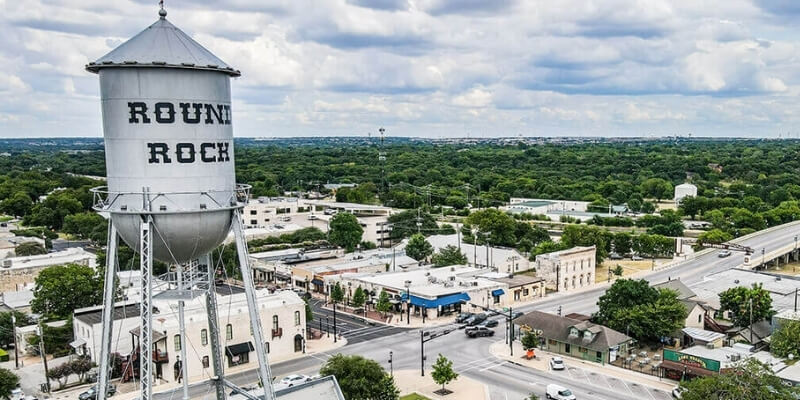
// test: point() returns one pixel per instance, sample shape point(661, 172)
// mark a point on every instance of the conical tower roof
point(162, 45)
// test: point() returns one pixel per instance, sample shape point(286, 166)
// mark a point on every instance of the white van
point(556, 392)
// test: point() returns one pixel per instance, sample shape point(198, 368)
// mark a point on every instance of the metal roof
point(162, 45)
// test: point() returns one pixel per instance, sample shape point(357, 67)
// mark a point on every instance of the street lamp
point(408, 300)
point(475, 247)
point(391, 367)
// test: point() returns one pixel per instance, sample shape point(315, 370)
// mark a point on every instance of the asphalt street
point(471, 357)
point(355, 329)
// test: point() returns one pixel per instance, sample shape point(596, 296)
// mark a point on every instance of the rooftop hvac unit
point(736, 357)
point(452, 278)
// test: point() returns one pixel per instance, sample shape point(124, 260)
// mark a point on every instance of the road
point(356, 330)
point(471, 357)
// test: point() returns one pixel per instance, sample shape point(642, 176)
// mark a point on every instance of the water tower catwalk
point(171, 194)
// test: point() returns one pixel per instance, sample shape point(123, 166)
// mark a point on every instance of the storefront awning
point(439, 301)
point(236, 349)
point(77, 343)
point(317, 282)
point(498, 292)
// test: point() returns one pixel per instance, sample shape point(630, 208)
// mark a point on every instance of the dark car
point(475, 319)
point(479, 331)
point(489, 323)
point(462, 317)
point(91, 394)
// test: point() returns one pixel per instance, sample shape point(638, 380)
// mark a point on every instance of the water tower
point(171, 194)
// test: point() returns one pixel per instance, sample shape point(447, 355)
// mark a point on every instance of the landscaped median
point(419, 387)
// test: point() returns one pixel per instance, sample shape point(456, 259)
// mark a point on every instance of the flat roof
point(518, 280)
point(721, 354)
point(421, 284)
point(780, 287)
point(67, 256)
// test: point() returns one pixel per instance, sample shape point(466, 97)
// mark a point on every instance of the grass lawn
point(792, 268)
point(628, 267)
point(414, 396)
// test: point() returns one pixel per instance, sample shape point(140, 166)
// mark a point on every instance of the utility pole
point(334, 321)
point(751, 320)
point(419, 221)
point(391, 366)
point(16, 350)
point(510, 332)
point(44, 357)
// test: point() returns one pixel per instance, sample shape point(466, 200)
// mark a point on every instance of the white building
point(543, 206)
point(267, 211)
point(567, 269)
point(683, 190)
point(16, 272)
point(502, 259)
point(9, 244)
point(282, 318)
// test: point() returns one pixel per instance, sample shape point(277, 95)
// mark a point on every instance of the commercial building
point(311, 275)
point(706, 360)
point(282, 317)
point(567, 269)
point(265, 211)
point(781, 288)
point(685, 190)
point(16, 272)
point(542, 206)
point(574, 338)
point(521, 288)
point(433, 292)
point(500, 259)
point(8, 245)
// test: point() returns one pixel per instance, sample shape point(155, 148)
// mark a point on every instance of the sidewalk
point(541, 362)
point(463, 388)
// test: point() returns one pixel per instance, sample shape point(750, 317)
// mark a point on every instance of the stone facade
point(567, 269)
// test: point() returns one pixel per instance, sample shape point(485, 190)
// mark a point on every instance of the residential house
point(574, 338)
point(695, 309)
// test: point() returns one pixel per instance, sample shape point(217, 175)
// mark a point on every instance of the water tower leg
point(146, 333)
point(213, 329)
point(252, 306)
point(108, 312)
point(182, 328)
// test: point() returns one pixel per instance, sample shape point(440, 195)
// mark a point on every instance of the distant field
point(629, 267)
point(792, 268)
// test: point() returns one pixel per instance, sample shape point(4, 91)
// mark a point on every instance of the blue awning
point(498, 292)
point(440, 301)
point(317, 282)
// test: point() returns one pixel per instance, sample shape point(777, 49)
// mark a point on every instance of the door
point(567, 348)
point(298, 343)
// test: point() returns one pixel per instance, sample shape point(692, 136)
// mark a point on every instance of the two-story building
point(17, 272)
point(569, 269)
point(282, 318)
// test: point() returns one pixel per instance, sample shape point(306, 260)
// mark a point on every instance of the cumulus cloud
point(432, 67)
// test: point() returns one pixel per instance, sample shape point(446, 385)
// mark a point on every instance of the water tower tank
point(169, 142)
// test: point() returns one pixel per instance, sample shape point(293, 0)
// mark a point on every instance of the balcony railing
point(277, 333)
point(160, 356)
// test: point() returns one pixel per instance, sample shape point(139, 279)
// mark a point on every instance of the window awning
point(77, 343)
point(498, 292)
point(439, 301)
point(317, 282)
point(236, 349)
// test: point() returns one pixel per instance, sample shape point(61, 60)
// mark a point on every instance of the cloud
point(431, 67)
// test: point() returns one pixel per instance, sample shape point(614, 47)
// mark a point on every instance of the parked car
point(475, 319)
point(636, 258)
point(479, 331)
point(463, 317)
point(724, 253)
point(557, 364)
point(291, 381)
point(615, 256)
point(678, 391)
point(489, 323)
point(556, 392)
point(91, 393)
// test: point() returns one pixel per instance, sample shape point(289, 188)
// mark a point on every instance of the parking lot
point(610, 382)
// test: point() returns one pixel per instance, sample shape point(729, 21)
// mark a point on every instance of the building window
point(275, 322)
point(297, 318)
point(525, 291)
point(229, 332)
point(253, 212)
point(599, 356)
point(205, 361)
point(266, 347)
point(204, 337)
point(177, 342)
point(699, 318)
point(253, 222)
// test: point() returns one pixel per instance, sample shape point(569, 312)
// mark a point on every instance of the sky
point(432, 68)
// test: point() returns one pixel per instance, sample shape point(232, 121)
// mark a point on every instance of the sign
point(693, 361)
point(187, 152)
point(167, 113)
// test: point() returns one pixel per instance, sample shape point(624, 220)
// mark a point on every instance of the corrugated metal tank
point(168, 131)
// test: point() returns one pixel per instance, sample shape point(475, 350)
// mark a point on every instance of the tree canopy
point(418, 248)
point(63, 288)
point(443, 372)
point(749, 379)
point(360, 378)
point(449, 255)
point(786, 339)
point(8, 382)
point(746, 304)
point(345, 231)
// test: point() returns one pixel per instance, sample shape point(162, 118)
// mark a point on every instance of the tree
point(404, 224)
point(737, 301)
point(581, 235)
point(62, 289)
point(786, 339)
point(84, 224)
point(6, 332)
point(530, 340)
point(360, 378)
point(60, 373)
point(337, 294)
point(418, 248)
point(618, 270)
point(81, 366)
point(648, 207)
point(345, 231)
point(715, 236)
point(635, 307)
point(29, 249)
point(17, 205)
point(383, 305)
point(359, 298)
point(449, 255)
point(443, 371)
point(500, 224)
point(657, 188)
point(8, 382)
point(749, 379)
point(309, 312)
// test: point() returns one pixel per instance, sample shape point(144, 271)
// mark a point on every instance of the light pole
point(763, 252)
point(408, 302)
point(475, 247)
point(391, 367)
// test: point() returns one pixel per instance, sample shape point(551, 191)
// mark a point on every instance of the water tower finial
point(162, 12)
